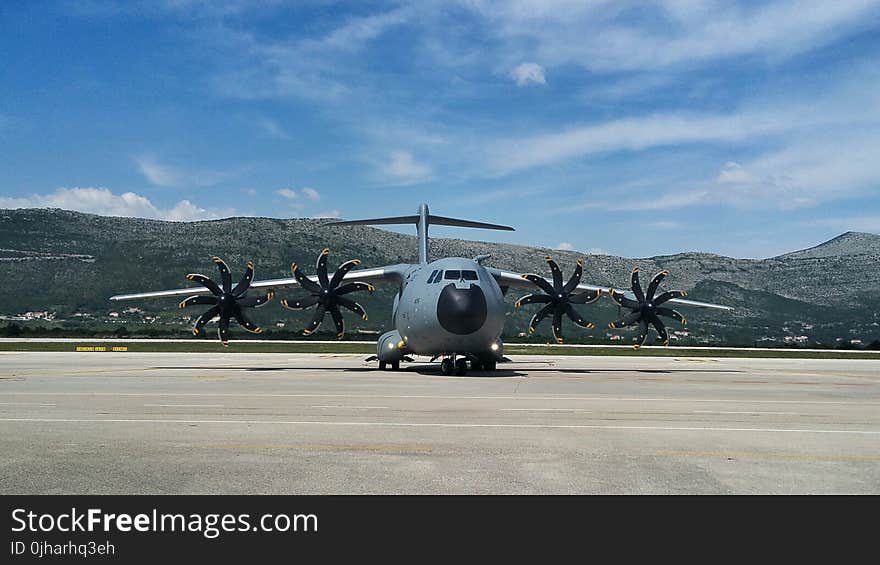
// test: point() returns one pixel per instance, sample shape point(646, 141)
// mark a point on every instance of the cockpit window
point(469, 275)
point(434, 274)
point(452, 275)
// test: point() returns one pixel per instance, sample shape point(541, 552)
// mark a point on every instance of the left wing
point(391, 273)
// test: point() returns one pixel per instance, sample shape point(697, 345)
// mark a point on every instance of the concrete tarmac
point(82, 423)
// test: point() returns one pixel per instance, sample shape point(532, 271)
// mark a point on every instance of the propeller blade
point(255, 301)
point(540, 282)
point(655, 282)
point(225, 275)
point(321, 268)
point(223, 330)
point(342, 271)
point(577, 318)
point(317, 318)
point(661, 330)
point(354, 287)
point(299, 303)
point(622, 300)
point(353, 306)
point(585, 297)
point(557, 274)
point(205, 282)
point(533, 299)
point(630, 318)
point(557, 327)
point(669, 295)
point(305, 281)
point(198, 299)
point(246, 323)
point(206, 317)
point(674, 314)
point(636, 286)
point(643, 334)
point(245, 282)
point(338, 321)
point(539, 315)
point(575, 278)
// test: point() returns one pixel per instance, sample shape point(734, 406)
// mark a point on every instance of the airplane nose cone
point(461, 311)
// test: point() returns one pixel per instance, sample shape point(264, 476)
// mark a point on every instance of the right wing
point(389, 273)
point(516, 280)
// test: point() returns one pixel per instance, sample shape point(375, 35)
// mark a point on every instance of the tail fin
point(422, 220)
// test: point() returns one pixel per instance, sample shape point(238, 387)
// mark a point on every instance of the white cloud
point(403, 169)
point(328, 214)
point(565, 246)
point(307, 193)
point(311, 194)
point(734, 173)
point(287, 193)
point(104, 202)
point(528, 73)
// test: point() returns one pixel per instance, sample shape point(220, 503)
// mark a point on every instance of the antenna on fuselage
point(422, 220)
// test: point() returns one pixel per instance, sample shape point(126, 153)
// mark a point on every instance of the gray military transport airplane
point(450, 308)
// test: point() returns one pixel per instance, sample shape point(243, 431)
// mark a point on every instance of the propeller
point(646, 308)
point(558, 298)
point(327, 294)
point(226, 301)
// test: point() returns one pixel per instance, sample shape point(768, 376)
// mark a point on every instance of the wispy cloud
point(271, 128)
point(104, 202)
point(165, 175)
point(402, 168)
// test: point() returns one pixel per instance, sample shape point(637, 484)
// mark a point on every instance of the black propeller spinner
point(327, 294)
point(226, 302)
point(646, 309)
point(558, 298)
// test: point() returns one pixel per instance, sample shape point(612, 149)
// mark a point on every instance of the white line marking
point(743, 412)
point(27, 404)
point(543, 410)
point(353, 407)
point(440, 397)
point(434, 425)
point(183, 405)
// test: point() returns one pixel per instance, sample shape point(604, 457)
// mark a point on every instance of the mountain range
point(69, 263)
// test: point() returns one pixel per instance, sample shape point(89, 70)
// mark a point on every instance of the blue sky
point(747, 129)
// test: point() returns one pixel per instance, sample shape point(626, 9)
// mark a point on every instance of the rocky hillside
point(69, 263)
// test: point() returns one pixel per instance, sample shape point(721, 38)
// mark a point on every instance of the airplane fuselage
point(451, 305)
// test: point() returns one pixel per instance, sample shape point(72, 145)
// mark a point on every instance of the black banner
point(227, 529)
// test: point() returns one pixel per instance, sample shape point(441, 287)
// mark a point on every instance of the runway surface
point(328, 424)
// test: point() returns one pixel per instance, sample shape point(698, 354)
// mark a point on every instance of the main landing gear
point(451, 366)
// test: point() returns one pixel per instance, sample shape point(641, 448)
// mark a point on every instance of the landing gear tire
point(461, 367)
point(477, 366)
point(488, 365)
point(395, 365)
point(446, 367)
point(381, 365)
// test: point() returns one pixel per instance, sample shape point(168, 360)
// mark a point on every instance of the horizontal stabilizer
point(432, 220)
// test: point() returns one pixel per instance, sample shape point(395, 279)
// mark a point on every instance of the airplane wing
point(392, 273)
point(516, 280)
